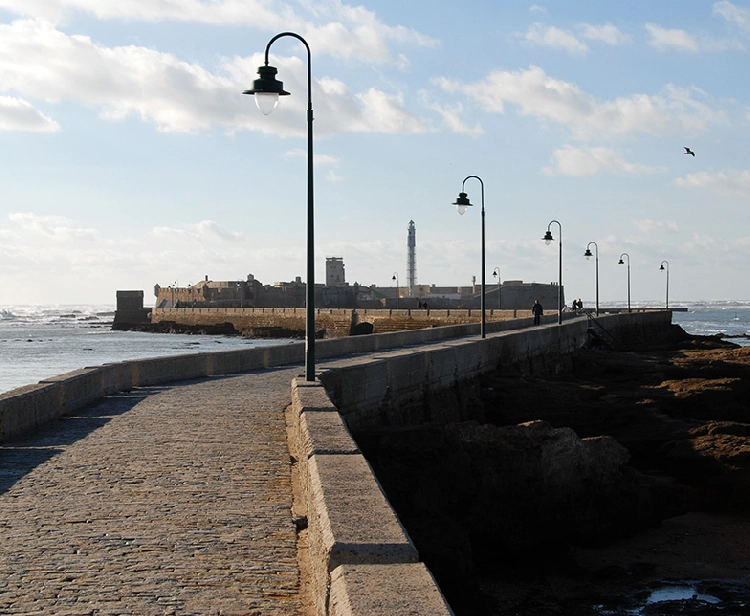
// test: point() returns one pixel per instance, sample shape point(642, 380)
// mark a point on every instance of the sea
point(38, 342)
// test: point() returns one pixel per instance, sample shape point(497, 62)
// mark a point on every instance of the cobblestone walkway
point(167, 500)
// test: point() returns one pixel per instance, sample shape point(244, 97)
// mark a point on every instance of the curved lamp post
point(548, 238)
point(621, 262)
point(662, 268)
point(588, 256)
point(267, 90)
point(461, 203)
point(395, 277)
point(496, 274)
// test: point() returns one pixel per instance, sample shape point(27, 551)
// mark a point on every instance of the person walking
point(537, 311)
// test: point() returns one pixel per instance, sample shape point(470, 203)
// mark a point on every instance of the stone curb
point(363, 561)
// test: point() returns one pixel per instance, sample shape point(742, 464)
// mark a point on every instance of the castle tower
point(335, 272)
point(411, 259)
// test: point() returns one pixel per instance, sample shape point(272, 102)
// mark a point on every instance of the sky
point(130, 156)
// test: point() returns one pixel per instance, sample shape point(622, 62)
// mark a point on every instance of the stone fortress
point(337, 293)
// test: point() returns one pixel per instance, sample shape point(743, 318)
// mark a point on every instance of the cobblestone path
point(165, 500)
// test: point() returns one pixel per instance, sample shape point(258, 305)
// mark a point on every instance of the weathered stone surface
point(376, 590)
point(169, 500)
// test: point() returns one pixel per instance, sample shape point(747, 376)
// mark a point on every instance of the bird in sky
point(688, 151)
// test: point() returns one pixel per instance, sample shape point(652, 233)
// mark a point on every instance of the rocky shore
point(617, 486)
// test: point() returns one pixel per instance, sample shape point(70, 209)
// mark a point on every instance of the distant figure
point(537, 311)
point(580, 304)
point(689, 151)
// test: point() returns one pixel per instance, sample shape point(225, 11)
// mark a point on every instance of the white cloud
point(19, 115)
point(704, 243)
point(451, 116)
point(581, 162)
point(550, 36)
point(733, 183)
point(204, 231)
point(538, 95)
point(663, 38)
point(50, 228)
point(39, 61)
point(356, 32)
point(351, 32)
point(739, 16)
point(606, 33)
point(388, 114)
point(649, 226)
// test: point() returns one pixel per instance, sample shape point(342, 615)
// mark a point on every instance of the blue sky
point(130, 157)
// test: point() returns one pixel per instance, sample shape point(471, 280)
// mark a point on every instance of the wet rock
point(474, 494)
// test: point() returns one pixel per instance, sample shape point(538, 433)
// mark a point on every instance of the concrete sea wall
point(363, 561)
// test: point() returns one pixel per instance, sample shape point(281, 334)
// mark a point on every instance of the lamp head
point(462, 202)
point(267, 89)
point(661, 267)
point(394, 277)
point(548, 236)
point(588, 254)
point(621, 262)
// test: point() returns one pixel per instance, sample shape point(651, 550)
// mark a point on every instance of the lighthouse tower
point(411, 259)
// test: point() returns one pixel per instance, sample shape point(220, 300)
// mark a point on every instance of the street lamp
point(548, 238)
point(621, 262)
point(267, 90)
point(662, 268)
point(588, 256)
point(395, 277)
point(496, 273)
point(461, 203)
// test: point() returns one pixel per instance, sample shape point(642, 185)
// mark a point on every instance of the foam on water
point(38, 342)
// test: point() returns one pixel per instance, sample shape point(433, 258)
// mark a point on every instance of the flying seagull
point(689, 151)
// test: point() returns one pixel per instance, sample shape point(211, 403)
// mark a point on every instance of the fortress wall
point(334, 322)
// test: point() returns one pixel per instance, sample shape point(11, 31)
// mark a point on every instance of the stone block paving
point(168, 500)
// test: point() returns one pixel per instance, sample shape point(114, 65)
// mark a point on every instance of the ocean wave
point(21, 314)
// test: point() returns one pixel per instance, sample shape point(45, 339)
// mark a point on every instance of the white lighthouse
point(411, 260)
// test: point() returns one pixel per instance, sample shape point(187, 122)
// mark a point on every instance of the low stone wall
point(363, 561)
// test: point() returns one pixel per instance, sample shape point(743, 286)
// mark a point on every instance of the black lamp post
point(267, 90)
point(588, 255)
point(548, 238)
point(496, 274)
point(461, 203)
point(621, 262)
point(662, 268)
point(395, 277)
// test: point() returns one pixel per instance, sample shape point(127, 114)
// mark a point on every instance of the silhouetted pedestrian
point(537, 311)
